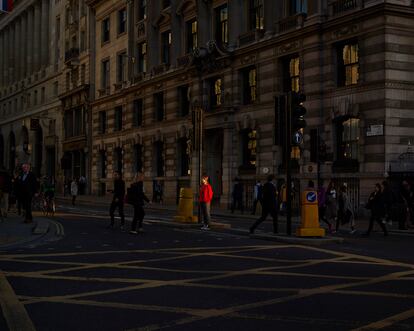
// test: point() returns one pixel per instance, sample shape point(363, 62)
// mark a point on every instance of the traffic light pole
point(288, 150)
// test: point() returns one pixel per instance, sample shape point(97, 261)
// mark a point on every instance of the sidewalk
point(236, 220)
point(14, 232)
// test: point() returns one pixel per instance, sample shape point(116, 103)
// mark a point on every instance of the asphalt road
point(186, 279)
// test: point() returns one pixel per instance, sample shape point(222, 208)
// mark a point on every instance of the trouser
point(379, 221)
point(73, 199)
point(205, 212)
point(255, 201)
point(138, 217)
point(27, 207)
point(322, 217)
point(265, 212)
point(4, 205)
point(117, 203)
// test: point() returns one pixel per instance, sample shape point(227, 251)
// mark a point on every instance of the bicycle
point(48, 206)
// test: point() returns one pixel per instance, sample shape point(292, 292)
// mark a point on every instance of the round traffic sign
point(311, 196)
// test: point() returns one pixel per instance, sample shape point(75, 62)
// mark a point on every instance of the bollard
point(185, 207)
point(309, 216)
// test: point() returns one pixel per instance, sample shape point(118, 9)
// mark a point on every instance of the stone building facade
point(163, 66)
point(30, 121)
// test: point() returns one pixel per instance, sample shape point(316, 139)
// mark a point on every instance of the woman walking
point(377, 207)
point(136, 197)
point(345, 213)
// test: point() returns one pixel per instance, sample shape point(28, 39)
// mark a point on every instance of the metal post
point(288, 145)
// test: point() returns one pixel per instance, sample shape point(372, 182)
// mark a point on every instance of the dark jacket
point(5, 182)
point(119, 189)
point(376, 204)
point(269, 200)
point(136, 195)
point(28, 187)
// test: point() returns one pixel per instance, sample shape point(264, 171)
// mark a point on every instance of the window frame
point(122, 21)
point(105, 74)
point(106, 30)
point(191, 35)
point(166, 41)
point(142, 57)
point(249, 90)
point(222, 25)
point(121, 67)
point(118, 118)
point(137, 112)
point(342, 67)
point(103, 122)
point(159, 107)
point(256, 15)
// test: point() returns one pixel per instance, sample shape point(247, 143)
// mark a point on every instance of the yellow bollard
point(309, 216)
point(185, 207)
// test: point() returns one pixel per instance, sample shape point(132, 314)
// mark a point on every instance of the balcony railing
point(341, 6)
point(71, 54)
point(291, 22)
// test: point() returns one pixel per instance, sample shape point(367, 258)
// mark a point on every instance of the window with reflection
point(222, 25)
point(348, 64)
point(249, 78)
point(249, 148)
point(166, 47)
point(142, 57)
point(142, 9)
point(216, 92)
point(297, 7)
point(348, 138)
point(291, 73)
point(256, 15)
point(191, 35)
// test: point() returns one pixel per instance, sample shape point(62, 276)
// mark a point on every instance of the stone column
point(132, 52)
point(11, 63)
point(44, 34)
point(30, 35)
point(17, 54)
point(5, 72)
point(23, 47)
point(2, 55)
point(36, 37)
point(269, 17)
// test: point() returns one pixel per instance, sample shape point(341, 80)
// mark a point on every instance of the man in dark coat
point(117, 200)
point(269, 204)
point(137, 198)
point(27, 188)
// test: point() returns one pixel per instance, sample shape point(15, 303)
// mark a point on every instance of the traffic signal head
point(298, 111)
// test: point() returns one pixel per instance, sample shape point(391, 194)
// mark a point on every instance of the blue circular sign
point(311, 196)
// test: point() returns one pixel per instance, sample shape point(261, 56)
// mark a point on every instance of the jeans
point(205, 212)
point(117, 203)
point(139, 214)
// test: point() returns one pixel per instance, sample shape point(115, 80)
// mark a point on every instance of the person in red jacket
point(206, 195)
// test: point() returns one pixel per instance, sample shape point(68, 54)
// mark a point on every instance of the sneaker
point(205, 227)
point(133, 232)
point(352, 231)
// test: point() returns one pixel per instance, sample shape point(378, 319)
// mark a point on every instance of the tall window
point(121, 67)
point(291, 69)
point(68, 118)
point(102, 122)
point(249, 145)
point(297, 7)
point(216, 92)
point(249, 77)
point(348, 138)
point(138, 164)
point(137, 112)
point(118, 118)
point(222, 25)
point(159, 106)
point(348, 64)
point(142, 57)
point(183, 156)
point(191, 35)
point(142, 9)
point(159, 158)
point(183, 102)
point(105, 30)
point(256, 15)
point(117, 162)
point(166, 47)
point(105, 75)
point(102, 163)
point(122, 20)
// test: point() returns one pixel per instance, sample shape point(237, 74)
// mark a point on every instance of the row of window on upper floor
point(347, 64)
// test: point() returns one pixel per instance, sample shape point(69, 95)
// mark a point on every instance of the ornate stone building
point(30, 121)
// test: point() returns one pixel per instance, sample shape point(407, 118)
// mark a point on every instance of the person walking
point(205, 197)
point(257, 195)
point(378, 209)
point(322, 206)
point(345, 213)
point(269, 205)
point(237, 196)
point(117, 200)
point(74, 190)
point(136, 197)
point(5, 189)
point(331, 201)
point(27, 188)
